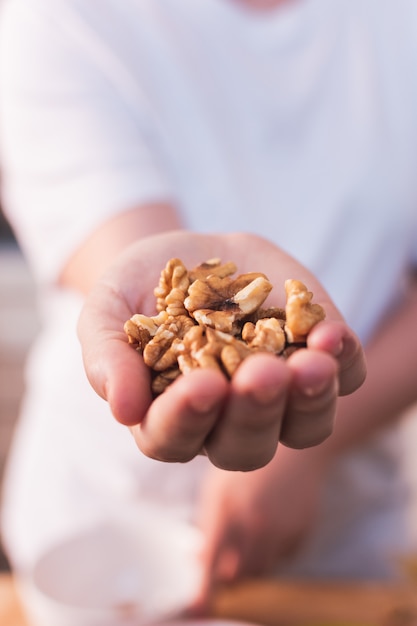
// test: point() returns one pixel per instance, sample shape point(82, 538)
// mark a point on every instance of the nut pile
point(208, 318)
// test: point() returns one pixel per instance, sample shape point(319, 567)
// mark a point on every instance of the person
point(134, 132)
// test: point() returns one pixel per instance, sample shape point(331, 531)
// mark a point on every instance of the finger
point(312, 399)
point(238, 553)
point(126, 381)
point(228, 561)
point(179, 420)
point(247, 435)
point(116, 372)
point(340, 341)
point(221, 557)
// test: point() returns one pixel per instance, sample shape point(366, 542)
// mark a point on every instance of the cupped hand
point(236, 423)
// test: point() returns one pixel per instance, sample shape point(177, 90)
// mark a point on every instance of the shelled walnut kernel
point(207, 318)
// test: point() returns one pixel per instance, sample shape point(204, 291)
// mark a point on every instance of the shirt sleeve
point(79, 141)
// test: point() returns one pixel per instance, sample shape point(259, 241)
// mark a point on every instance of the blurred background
point(18, 324)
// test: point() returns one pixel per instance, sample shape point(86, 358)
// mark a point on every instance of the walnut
point(163, 379)
point(222, 302)
point(267, 334)
point(253, 291)
point(173, 285)
point(210, 268)
point(207, 347)
point(272, 311)
point(209, 319)
point(140, 328)
point(160, 352)
point(194, 340)
point(224, 321)
point(301, 313)
point(137, 335)
point(231, 357)
point(232, 351)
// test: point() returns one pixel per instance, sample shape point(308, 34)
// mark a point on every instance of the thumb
point(221, 560)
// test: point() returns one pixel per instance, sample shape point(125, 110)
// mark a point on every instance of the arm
point(96, 254)
point(391, 383)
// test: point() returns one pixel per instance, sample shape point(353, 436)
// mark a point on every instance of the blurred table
point(272, 603)
point(10, 611)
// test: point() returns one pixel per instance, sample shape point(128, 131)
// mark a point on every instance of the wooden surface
point(272, 603)
point(10, 611)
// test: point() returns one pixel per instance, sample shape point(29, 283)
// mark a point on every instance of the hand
point(255, 521)
point(238, 424)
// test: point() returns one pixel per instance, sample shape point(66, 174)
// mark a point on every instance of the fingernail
point(204, 404)
point(266, 395)
point(338, 349)
point(313, 390)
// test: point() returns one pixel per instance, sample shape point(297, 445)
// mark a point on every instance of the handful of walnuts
point(207, 318)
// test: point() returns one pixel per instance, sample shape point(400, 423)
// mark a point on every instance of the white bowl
point(121, 572)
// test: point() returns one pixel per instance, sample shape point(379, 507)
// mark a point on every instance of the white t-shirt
point(298, 124)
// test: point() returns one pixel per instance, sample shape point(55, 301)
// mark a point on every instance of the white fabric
point(298, 124)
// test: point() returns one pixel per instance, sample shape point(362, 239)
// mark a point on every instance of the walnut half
point(221, 303)
point(208, 318)
point(301, 314)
